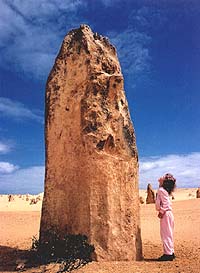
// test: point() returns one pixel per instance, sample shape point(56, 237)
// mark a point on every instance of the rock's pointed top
point(85, 29)
point(149, 186)
point(86, 39)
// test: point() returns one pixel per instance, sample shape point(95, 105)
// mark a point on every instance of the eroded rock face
point(150, 195)
point(91, 179)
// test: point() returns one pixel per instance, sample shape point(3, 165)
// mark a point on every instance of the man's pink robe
point(163, 205)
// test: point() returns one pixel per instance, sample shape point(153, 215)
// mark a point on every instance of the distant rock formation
point(150, 195)
point(91, 178)
point(141, 200)
point(38, 198)
point(198, 193)
point(10, 198)
point(33, 201)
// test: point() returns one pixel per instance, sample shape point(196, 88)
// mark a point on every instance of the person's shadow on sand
point(150, 260)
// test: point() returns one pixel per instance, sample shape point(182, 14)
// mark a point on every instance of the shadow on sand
point(11, 257)
point(150, 260)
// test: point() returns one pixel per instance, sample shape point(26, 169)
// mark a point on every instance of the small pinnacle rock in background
point(141, 200)
point(91, 180)
point(198, 193)
point(10, 198)
point(150, 195)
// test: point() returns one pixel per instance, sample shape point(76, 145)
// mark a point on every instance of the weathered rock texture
point(150, 195)
point(91, 179)
point(198, 193)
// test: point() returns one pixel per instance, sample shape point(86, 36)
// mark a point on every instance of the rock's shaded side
point(198, 193)
point(91, 178)
point(150, 195)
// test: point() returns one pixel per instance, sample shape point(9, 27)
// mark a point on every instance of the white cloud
point(4, 148)
point(184, 167)
point(132, 48)
point(133, 43)
point(31, 32)
point(34, 8)
point(29, 180)
point(17, 110)
point(6, 167)
point(149, 17)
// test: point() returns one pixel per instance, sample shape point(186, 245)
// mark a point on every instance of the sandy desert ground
point(19, 222)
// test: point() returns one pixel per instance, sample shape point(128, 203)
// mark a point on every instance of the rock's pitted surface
point(198, 193)
point(91, 179)
point(150, 195)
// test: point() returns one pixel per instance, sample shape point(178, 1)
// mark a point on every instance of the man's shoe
point(173, 255)
point(165, 257)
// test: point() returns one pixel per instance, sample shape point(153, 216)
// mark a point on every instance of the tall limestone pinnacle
point(91, 175)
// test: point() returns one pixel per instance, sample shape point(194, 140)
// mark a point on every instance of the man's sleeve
point(158, 201)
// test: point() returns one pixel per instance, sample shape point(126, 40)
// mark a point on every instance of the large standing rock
point(150, 195)
point(91, 179)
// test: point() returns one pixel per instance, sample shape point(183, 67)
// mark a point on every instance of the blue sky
point(158, 45)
